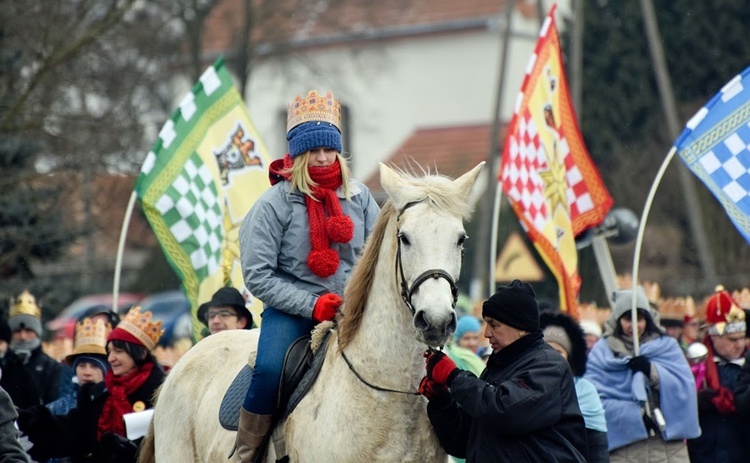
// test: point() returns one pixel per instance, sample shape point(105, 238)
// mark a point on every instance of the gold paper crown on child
point(313, 107)
point(24, 304)
point(142, 327)
point(91, 337)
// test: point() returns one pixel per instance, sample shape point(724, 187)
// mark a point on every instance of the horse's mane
point(438, 190)
point(360, 282)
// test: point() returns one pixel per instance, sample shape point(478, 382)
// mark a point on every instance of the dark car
point(64, 325)
point(172, 308)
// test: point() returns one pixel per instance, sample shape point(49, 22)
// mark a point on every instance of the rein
point(406, 292)
point(370, 385)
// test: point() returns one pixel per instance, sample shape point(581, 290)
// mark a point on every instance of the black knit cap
point(515, 305)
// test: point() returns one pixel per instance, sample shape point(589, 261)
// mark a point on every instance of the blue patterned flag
point(205, 171)
point(716, 147)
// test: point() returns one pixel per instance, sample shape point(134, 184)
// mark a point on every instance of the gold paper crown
point(24, 304)
point(90, 338)
point(142, 327)
point(313, 107)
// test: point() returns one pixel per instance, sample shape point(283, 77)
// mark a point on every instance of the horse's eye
point(404, 240)
point(462, 240)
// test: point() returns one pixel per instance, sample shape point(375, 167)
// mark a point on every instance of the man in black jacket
point(51, 377)
point(17, 382)
point(523, 407)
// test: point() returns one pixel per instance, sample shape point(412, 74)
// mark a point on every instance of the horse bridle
point(406, 292)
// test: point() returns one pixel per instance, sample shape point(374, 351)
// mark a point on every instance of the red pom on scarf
point(323, 262)
point(340, 228)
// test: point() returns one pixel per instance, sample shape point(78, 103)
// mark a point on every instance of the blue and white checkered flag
point(716, 147)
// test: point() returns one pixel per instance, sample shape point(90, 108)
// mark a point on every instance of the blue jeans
point(278, 332)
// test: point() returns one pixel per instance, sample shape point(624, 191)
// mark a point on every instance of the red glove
point(325, 307)
point(440, 368)
point(724, 401)
point(434, 392)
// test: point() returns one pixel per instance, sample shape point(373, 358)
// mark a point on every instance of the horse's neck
point(386, 335)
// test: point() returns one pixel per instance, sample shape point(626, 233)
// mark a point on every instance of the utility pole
point(483, 258)
point(669, 108)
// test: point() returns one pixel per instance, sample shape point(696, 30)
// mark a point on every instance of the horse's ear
point(391, 182)
point(467, 184)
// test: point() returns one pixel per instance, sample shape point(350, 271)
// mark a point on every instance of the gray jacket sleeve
point(10, 449)
point(260, 240)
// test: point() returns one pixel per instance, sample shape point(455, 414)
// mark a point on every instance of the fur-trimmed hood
point(577, 358)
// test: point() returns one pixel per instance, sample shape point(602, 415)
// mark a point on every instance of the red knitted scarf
point(116, 405)
point(327, 220)
point(724, 399)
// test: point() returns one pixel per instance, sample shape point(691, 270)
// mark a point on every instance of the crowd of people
point(517, 384)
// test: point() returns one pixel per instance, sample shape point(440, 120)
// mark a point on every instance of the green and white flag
point(205, 171)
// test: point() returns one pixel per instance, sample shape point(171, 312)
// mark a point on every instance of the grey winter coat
point(275, 243)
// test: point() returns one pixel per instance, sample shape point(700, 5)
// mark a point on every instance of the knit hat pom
point(323, 263)
point(340, 228)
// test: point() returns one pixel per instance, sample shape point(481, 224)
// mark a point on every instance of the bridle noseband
point(406, 292)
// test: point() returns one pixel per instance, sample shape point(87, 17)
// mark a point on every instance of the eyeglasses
point(223, 314)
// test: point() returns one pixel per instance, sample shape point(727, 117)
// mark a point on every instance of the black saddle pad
point(229, 412)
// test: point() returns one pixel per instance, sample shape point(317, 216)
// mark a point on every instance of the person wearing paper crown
point(25, 319)
point(298, 245)
point(14, 378)
point(88, 361)
point(722, 418)
point(639, 388)
point(95, 429)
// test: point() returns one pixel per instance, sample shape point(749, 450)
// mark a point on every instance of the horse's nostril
point(420, 322)
point(452, 325)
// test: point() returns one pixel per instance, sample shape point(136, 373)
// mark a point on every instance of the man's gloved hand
point(440, 368)
point(640, 363)
point(118, 448)
point(724, 401)
point(435, 393)
point(651, 425)
point(705, 400)
point(325, 307)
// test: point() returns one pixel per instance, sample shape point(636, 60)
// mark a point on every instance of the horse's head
point(430, 245)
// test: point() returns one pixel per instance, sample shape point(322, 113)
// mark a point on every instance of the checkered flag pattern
point(716, 147)
point(521, 180)
point(546, 172)
point(195, 216)
point(192, 211)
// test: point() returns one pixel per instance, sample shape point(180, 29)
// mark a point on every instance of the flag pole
point(121, 248)
point(493, 164)
point(639, 241)
point(493, 240)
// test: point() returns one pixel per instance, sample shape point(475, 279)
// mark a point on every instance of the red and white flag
point(546, 172)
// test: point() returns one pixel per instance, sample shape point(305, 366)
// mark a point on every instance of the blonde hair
point(301, 180)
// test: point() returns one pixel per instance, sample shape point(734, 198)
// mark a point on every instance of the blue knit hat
point(311, 135)
point(94, 359)
point(466, 324)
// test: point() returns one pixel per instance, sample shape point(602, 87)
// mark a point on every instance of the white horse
point(399, 300)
